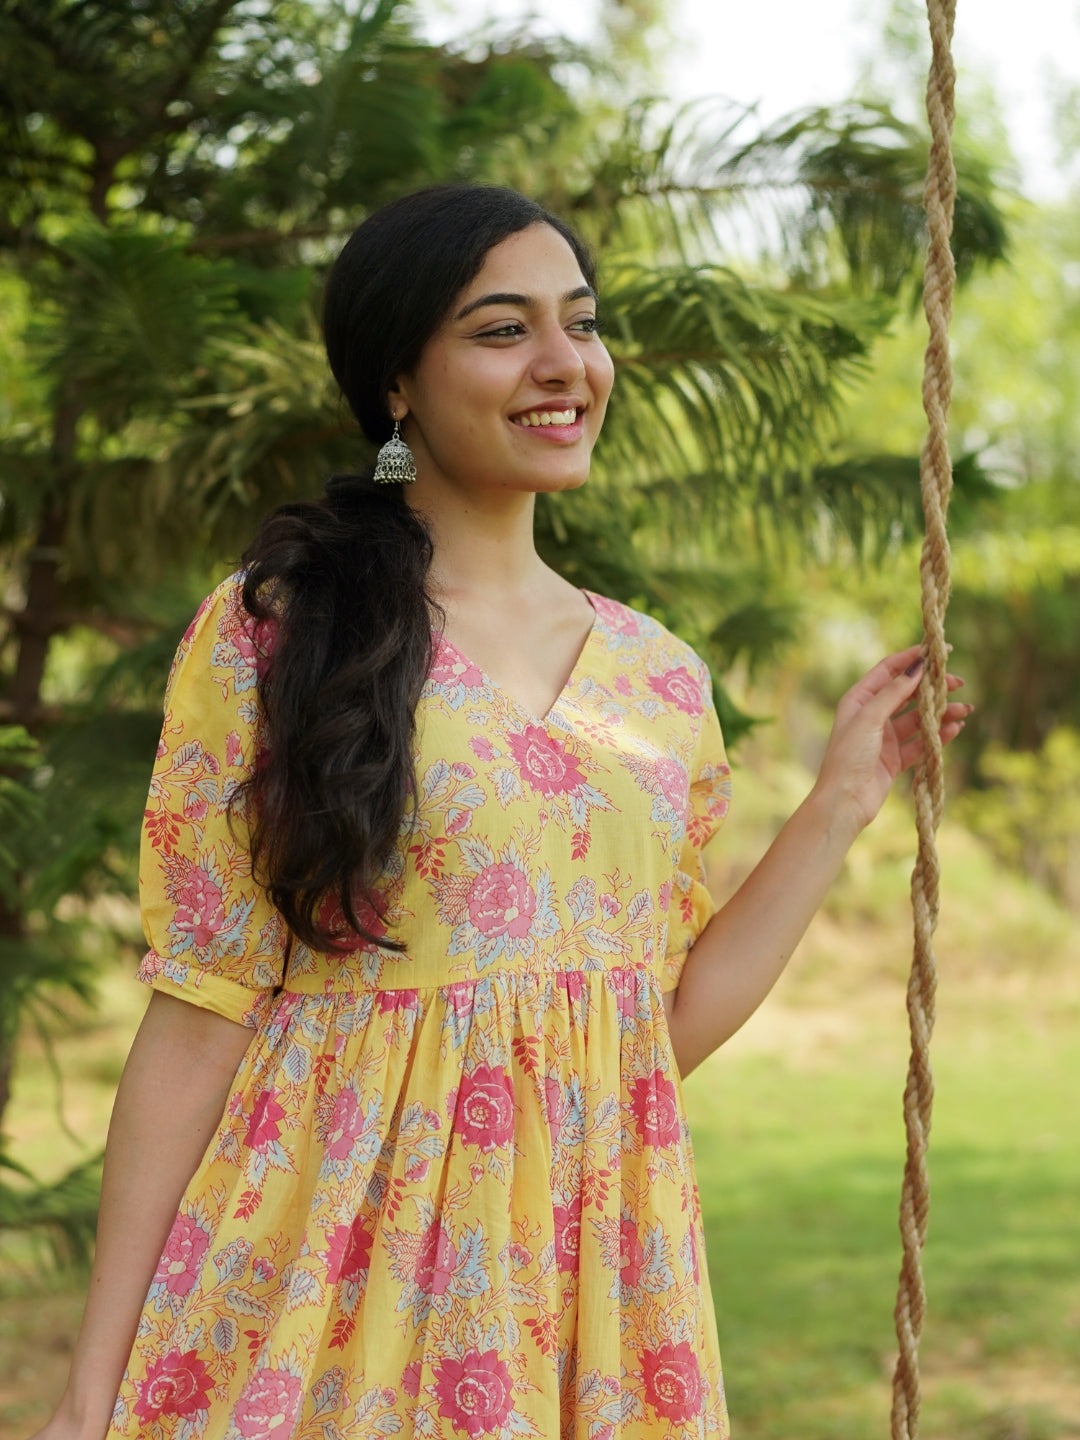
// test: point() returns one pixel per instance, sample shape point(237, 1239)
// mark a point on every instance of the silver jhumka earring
point(394, 463)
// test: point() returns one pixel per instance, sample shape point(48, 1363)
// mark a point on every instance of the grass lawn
point(799, 1146)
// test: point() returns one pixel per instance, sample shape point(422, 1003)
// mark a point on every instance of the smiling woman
point(400, 1148)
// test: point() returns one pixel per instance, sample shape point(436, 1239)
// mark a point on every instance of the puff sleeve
point(691, 906)
point(215, 938)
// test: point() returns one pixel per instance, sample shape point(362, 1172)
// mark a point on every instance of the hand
point(875, 736)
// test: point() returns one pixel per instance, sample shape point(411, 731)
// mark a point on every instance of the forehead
point(535, 261)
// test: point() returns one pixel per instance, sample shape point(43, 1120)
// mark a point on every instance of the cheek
point(601, 379)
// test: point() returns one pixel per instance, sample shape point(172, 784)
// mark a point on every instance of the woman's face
point(510, 391)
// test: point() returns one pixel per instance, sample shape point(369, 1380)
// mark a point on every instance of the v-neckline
point(512, 700)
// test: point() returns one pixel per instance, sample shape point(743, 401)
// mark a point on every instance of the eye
point(503, 332)
point(588, 325)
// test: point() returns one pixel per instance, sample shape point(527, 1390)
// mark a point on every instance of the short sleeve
point(691, 906)
point(215, 938)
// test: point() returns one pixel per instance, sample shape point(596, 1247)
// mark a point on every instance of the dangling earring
point(394, 463)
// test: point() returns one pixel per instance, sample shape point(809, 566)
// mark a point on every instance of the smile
point(545, 417)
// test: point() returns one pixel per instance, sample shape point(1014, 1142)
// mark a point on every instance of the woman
point(439, 1182)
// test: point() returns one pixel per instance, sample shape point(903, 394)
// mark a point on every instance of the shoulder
point(225, 639)
point(672, 668)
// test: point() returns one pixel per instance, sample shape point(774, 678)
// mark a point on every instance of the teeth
point(547, 417)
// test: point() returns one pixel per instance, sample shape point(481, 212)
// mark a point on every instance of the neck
point(484, 544)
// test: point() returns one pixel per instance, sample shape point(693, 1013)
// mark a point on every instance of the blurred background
point(175, 178)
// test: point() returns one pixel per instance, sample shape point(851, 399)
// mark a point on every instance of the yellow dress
point(452, 1193)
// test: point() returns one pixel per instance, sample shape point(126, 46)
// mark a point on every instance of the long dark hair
point(344, 582)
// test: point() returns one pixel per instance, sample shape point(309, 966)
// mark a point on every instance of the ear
point(397, 398)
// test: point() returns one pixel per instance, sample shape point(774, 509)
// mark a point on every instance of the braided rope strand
point(929, 786)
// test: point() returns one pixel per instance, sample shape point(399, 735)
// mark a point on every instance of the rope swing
point(929, 783)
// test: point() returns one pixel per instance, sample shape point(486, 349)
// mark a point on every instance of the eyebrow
point(526, 302)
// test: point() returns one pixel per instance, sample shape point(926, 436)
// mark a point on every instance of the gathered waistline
point(315, 985)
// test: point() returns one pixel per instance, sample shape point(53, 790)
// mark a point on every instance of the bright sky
point(783, 54)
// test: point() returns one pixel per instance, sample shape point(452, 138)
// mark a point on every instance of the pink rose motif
point(501, 902)
point(674, 784)
point(656, 1110)
point(544, 763)
point(673, 1381)
point(436, 1261)
point(451, 668)
point(345, 1124)
point(178, 1268)
point(475, 1393)
point(554, 1097)
point(460, 995)
point(681, 688)
point(623, 686)
point(615, 616)
point(573, 982)
point(174, 1385)
point(568, 1235)
point(201, 911)
point(485, 1108)
point(391, 1000)
point(410, 1378)
point(482, 748)
point(233, 751)
point(263, 1127)
point(631, 1255)
point(349, 1252)
point(268, 1405)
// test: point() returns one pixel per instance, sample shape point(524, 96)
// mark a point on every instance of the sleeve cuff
point(210, 992)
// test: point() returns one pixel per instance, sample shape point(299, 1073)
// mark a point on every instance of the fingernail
point(914, 667)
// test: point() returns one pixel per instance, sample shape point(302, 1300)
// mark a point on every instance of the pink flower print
point(673, 1381)
point(178, 1268)
point(349, 1252)
point(674, 784)
point(568, 1235)
point(631, 1255)
point(623, 686)
point(410, 1378)
point(268, 1405)
point(544, 762)
point(681, 688)
point(263, 1270)
point(485, 1107)
point(345, 1124)
point(573, 982)
point(451, 668)
point(233, 751)
point(656, 1111)
point(195, 806)
point(263, 1126)
point(174, 1385)
point(390, 1000)
point(521, 1255)
point(610, 905)
point(436, 1261)
point(201, 910)
point(625, 991)
point(482, 748)
point(615, 616)
point(554, 1098)
point(501, 902)
point(475, 1393)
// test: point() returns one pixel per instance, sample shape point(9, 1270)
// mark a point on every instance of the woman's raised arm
point(171, 1098)
point(743, 949)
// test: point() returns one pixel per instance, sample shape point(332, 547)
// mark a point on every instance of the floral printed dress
point(452, 1193)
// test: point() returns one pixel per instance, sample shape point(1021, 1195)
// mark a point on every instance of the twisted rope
point(929, 787)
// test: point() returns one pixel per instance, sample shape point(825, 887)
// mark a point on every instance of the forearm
point(169, 1102)
point(743, 950)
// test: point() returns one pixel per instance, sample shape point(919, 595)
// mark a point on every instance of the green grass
point(799, 1165)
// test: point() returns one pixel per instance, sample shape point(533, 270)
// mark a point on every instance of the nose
point(558, 361)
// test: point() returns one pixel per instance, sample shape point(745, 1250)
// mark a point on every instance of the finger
point(911, 750)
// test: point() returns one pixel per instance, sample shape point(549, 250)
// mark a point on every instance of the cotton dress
point(452, 1193)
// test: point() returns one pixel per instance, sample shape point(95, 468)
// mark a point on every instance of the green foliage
point(1029, 811)
point(59, 1218)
